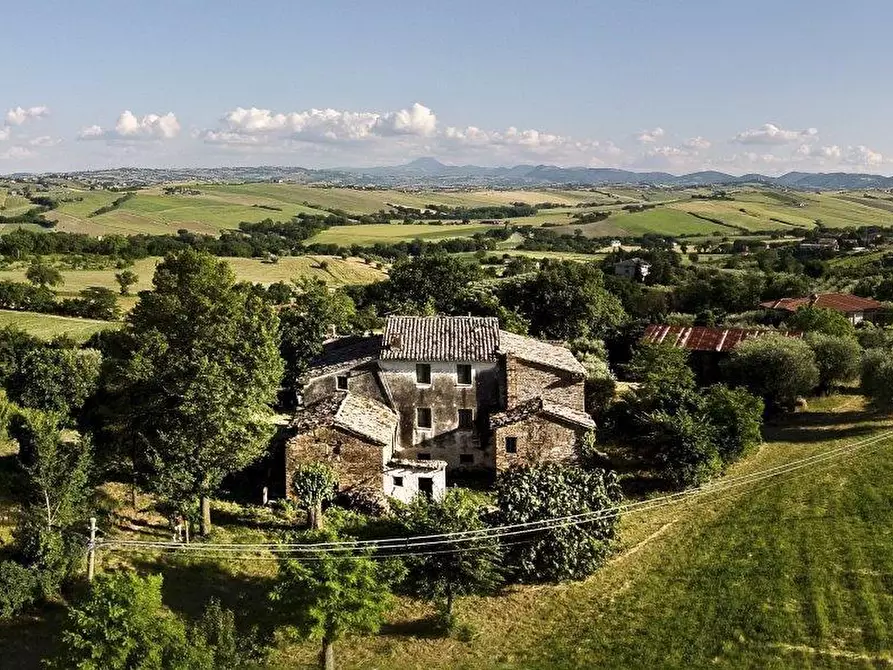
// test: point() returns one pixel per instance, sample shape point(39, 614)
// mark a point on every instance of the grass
point(790, 572)
point(389, 233)
point(331, 269)
point(48, 326)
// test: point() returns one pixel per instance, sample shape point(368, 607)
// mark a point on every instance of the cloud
point(241, 125)
point(826, 152)
point(770, 134)
point(4, 134)
point(131, 127)
point(16, 153)
point(19, 115)
point(44, 141)
point(862, 155)
point(697, 143)
point(650, 136)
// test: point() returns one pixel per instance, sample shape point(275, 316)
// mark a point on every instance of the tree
point(331, 595)
point(18, 588)
point(565, 300)
point(216, 631)
point(441, 576)
point(200, 366)
point(736, 416)
point(94, 302)
point(304, 323)
point(14, 343)
point(56, 493)
point(55, 379)
point(664, 376)
point(820, 320)
point(685, 447)
point(877, 376)
point(41, 274)
point(438, 277)
point(838, 359)
point(126, 279)
point(777, 368)
point(121, 624)
point(313, 484)
point(549, 491)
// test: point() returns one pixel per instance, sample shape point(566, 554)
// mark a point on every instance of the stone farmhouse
point(431, 396)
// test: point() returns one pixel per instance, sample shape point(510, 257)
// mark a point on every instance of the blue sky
point(678, 85)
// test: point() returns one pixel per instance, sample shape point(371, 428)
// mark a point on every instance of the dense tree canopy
point(200, 367)
point(820, 320)
point(779, 369)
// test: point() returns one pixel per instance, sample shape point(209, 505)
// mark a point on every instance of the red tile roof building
point(852, 306)
point(705, 338)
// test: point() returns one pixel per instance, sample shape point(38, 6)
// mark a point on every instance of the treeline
point(113, 205)
point(444, 212)
point(94, 302)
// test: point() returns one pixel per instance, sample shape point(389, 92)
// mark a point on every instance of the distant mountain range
point(429, 172)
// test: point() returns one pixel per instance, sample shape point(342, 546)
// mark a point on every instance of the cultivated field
point(48, 326)
point(331, 269)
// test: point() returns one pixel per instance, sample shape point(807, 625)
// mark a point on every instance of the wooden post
point(91, 555)
point(265, 496)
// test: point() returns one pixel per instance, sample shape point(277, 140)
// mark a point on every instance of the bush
point(758, 364)
point(737, 417)
point(685, 447)
point(548, 491)
point(837, 358)
point(18, 588)
point(820, 320)
point(877, 376)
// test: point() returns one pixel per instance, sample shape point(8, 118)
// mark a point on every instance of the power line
point(496, 532)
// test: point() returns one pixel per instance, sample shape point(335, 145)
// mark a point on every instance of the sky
point(675, 85)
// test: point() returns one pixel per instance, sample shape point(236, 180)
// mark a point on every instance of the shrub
point(685, 447)
point(737, 417)
point(537, 493)
point(877, 376)
point(18, 588)
point(820, 320)
point(757, 365)
point(837, 358)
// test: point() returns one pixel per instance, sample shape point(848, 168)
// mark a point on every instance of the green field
point(389, 233)
point(791, 571)
point(48, 326)
point(331, 269)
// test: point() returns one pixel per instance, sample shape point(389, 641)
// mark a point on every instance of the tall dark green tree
point(55, 378)
point(431, 278)
point(443, 575)
point(200, 366)
point(565, 300)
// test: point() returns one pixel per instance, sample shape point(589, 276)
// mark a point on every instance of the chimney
point(396, 341)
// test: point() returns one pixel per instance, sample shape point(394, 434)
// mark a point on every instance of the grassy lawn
point(794, 571)
point(48, 326)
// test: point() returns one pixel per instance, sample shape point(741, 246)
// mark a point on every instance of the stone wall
point(525, 380)
point(445, 397)
point(540, 440)
point(357, 461)
point(362, 380)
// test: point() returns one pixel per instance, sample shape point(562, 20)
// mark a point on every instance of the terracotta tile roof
point(703, 338)
point(840, 302)
point(537, 405)
point(440, 338)
point(344, 353)
point(537, 351)
point(362, 416)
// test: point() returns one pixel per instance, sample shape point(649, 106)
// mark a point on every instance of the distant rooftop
point(704, 338)
point(840, 302)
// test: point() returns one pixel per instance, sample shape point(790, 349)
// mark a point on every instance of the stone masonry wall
point(525, 380)
point(357, 462)
point(540, 439)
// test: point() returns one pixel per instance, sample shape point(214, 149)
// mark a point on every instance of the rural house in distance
point(398, 412)
point(855, 309)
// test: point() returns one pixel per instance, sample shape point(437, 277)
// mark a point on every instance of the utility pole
point(91, 549)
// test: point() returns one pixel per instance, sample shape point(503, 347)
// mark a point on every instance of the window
point(463, 374)
point(466, 419)
point(341, 382)
point(511, 445)
point(423, 417)
point(426, 486)
point(466, 459)
point(423, 457)
point(398, 481)
point(423, 373)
